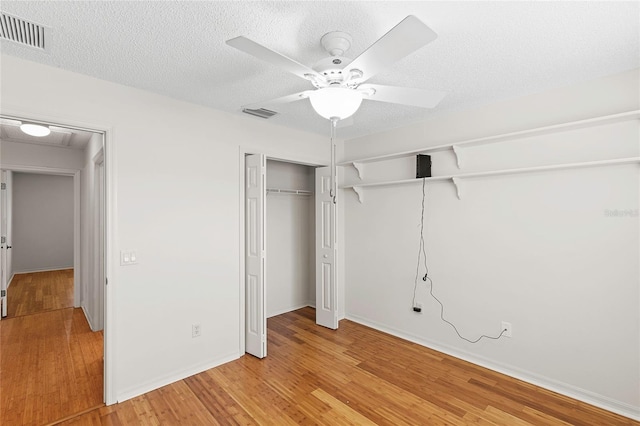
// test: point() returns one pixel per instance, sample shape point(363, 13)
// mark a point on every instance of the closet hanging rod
point(289, 191)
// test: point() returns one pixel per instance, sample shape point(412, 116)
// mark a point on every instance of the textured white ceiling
point(60, 137)
point(485, 52)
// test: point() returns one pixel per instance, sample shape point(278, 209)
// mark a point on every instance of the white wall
point(42, 222)
point(25, 154)
point(91, 288)
point(177, 186)
point(537, 250)
point(290, 238)
point(34, 157)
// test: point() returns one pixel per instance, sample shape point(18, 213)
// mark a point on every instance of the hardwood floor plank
point(50, 367)
point(217, 401)
point(177, 405)
point(72, 416)
point(501, 417)
point(542, 419)
point(379, 396)
point(36, 292)
point(340, 412)
point(474, 419)
point(354, 375)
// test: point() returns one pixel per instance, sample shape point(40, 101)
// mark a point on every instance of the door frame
point(111, 225)
point(75, 173)
point(241, 202)
point(97, 213)
point(6, 220)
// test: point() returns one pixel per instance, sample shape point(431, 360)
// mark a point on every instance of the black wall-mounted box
point(423, 166)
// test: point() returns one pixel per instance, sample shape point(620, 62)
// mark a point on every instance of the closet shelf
point(457, 179)
point(289, 191)
point(457, 147)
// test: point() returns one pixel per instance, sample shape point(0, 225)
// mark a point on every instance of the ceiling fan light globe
point(35, 129)
point(339, 102)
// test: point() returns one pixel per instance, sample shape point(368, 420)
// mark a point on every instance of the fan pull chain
point(332, 191)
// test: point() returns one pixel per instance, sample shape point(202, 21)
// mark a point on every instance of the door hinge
point(3, 293)
point(3, 240)
point(3, 185)
point(106, 281)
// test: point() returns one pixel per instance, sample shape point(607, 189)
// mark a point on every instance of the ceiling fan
point(340, 81)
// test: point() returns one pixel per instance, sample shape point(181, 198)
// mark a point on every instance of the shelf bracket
point(359, 192)
point(458, 152)
point(458, 184)
point(359, 168)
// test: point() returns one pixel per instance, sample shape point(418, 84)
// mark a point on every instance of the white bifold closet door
point(255, 256)
point(326, 254)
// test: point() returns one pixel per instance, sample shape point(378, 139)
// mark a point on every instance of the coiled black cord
point(423, 254)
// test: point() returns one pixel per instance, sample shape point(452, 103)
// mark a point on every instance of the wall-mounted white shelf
point(289, 191)
point(457, 179)
point(458, 147)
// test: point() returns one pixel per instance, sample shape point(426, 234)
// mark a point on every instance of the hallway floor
point(40, 291)
point(51, 363)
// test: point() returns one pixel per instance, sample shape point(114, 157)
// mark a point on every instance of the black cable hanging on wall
point(422, 254)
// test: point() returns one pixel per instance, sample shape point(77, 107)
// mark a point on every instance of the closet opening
point(288, 246)
point(290, 233)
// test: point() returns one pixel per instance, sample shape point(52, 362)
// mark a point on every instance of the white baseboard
point(172, 378)
point(566, 389)
point(31, 271)
point(285, 310)
point(10, 279)
point(88, 317)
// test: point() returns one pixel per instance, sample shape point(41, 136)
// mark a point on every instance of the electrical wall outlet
point(506, 326)
point(196, 330)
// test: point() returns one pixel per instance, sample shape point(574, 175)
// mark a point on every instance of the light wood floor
point(354, 375)
point(40, 291)
point(51, 362)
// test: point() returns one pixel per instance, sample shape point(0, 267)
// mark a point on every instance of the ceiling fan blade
point(274, 58)
point(405, 38)
point(282, 100)
point(401, 95)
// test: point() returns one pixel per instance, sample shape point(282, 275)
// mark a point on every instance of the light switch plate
point(128, 257)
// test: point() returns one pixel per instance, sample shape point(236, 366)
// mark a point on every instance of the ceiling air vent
point(21, 31)
point(261, 112)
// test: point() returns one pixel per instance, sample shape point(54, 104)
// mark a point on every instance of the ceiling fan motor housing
point(336, 42)
point(331, 68)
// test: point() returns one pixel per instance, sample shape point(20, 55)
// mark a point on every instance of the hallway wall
point(42, 222)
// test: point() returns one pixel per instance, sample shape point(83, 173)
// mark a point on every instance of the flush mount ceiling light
point(335, 102)
point(35, 129)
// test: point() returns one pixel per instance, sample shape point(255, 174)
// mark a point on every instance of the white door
point(255, 253)
point(326, 271)
point(99, 281)
point(4, 244)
